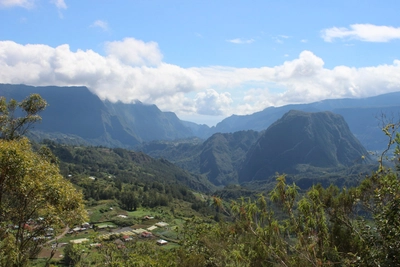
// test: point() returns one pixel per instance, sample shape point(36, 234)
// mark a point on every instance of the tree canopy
point(34, 197)
point(17, 117)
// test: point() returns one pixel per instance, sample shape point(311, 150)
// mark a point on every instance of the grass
point(87, 234)
point(104, 211)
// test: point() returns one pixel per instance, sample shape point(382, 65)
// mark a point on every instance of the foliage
point(33, 198)
point(12, 127)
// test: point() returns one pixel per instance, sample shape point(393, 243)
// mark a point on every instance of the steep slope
point(71, 110)
point(218, 158)
point(321, 139)
point(124, 165)
point(222, 154)
point(147, 122)
point(362, 115)
point(75, 115)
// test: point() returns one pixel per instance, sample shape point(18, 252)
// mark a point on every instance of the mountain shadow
point(320, 139)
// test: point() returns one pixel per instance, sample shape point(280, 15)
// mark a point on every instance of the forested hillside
point(218, 158)
point(123, 166)
point(300, 140)
point(310, 148)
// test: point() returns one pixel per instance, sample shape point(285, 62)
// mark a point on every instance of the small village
point(96, 234)
point(118, 235)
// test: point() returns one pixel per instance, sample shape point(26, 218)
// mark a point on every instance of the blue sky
point(204, 60)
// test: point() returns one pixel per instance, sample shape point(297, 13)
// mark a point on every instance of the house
point(76, 229)
point(161, 242)
point(127, 238)
point(138, 231)
point(151, 228)
point(122, 216)
point(146, 234)
point(79, 241)
point(161, 224)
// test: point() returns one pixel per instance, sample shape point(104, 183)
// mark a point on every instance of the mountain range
point(299, 144)
point(77, 116)
point(294, 139)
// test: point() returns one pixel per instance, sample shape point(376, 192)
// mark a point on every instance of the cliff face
point(321, 139)
point(76, 113)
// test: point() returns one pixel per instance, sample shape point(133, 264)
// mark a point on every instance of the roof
point(161, 224)
point(162, 242)
point(79, 241)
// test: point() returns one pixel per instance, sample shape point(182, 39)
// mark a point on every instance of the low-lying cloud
point(134, 70)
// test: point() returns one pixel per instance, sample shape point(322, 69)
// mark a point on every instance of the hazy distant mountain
point(363, 116)
point(75, 115)
point(321, 139)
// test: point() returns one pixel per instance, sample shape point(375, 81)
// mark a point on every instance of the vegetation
point(287, 226)
point(34, 197)
point(12, 127)
point(330, 226)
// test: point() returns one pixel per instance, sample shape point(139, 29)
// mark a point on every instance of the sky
point(204, 59)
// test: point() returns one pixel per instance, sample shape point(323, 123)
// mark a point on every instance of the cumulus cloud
point(133, 70)
point(241, 41)
point(100, 24)
point(134, 52)
point(210, 102)
point(20, 3)
point(362, 32)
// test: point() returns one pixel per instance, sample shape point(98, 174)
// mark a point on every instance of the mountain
point(124, 165)
point(218, 158)
point(363, 115)
point(321, 139)
point(77, 116)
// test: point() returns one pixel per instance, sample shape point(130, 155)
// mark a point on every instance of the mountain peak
point(320, 139)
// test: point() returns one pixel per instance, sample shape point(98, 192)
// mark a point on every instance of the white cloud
point(134, 52)
point(20, 3)
point(133, 69)
point(210, 102)
point(362, 32)
point(241, 41)
point(100, 24)
point(60, 4)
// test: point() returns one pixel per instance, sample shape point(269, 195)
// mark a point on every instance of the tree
point(12, 127)
point(34, 197)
